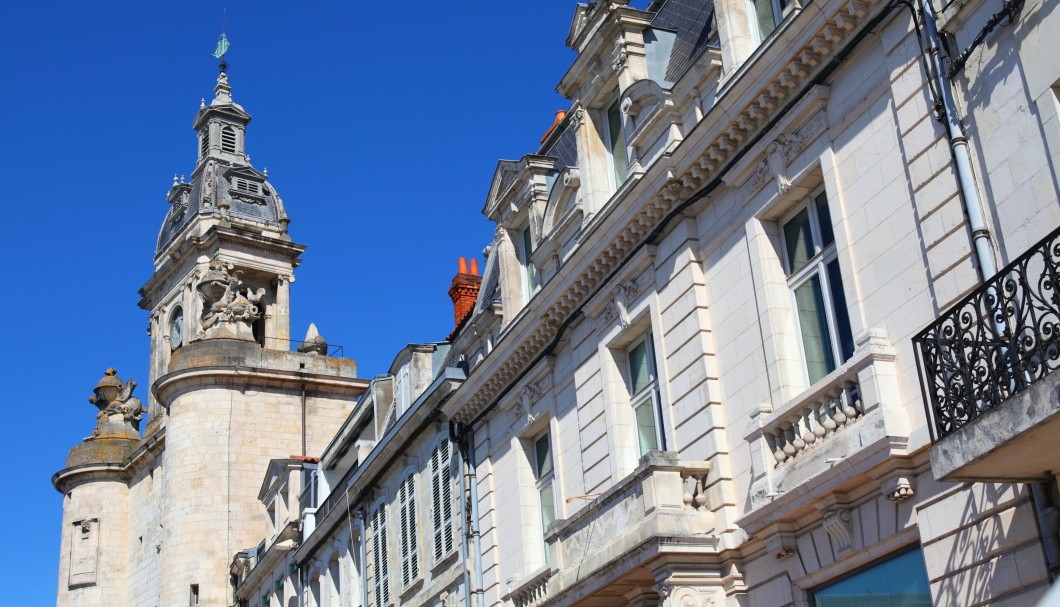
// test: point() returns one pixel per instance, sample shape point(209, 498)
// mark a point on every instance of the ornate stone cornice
point(753, 101)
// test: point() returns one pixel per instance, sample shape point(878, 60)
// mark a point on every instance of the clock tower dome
point(224, 261)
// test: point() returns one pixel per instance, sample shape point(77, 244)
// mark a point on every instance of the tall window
point(380, 583)
point(410, 560)
point(524, 247)
point(817, 288)
point(442, 501)
point(768, 14)
point(544, 476)
point(643, 388)
point(616, 143)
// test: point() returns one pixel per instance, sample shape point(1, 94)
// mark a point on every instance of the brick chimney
point(464, 290)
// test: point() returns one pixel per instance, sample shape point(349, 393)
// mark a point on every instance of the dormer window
point(616, 142)
point(228, 139)
point(247, 187)
point(524, 247)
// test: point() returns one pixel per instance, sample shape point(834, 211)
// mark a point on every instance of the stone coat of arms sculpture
point(231, 308)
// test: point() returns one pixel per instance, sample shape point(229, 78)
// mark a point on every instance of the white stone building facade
point(688, 377)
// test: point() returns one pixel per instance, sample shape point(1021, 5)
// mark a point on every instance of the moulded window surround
point(815, 281)
point(616, 143)
point(643, 384)
point(442, 501)
point(544, 481)
point(409, 549)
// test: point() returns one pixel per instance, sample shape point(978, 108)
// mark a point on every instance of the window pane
point(548, 506)
point(798, 241)
point(842, 316)
point(899, 581)
point(646, 434)
point(544, 457)
point(766, 20)
point(824, 220)
point(816, 343)
point(618, 142)
point(528, 243)
point(640, 375)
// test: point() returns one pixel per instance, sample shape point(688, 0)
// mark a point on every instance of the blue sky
point(380, 124)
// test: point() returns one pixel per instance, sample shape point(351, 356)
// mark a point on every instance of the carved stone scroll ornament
point(119, 411)
point(230, 309)
point(836, 522)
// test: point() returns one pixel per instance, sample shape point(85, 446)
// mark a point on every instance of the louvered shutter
point(446, 490)
point(381, 577)
point(407, 524)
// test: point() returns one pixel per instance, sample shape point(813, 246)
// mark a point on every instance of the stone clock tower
point(155, 519)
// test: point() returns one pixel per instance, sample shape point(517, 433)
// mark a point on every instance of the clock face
point(176, 329)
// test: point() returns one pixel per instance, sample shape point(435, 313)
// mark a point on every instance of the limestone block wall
point(146, 531)
point(92, 560)
point(221, 435)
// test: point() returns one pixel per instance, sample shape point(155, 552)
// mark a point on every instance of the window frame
point(778, 8)
point(524, 249)
point(542, 481)
point(617, 181)
point(646, 396)
point(823, 255)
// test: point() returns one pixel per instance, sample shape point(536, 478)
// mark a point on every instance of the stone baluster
point(775, 440)
point(789, 443)
point(796, 434)
point(827, 418)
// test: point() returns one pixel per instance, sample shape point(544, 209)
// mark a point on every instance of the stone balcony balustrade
point(662, 508)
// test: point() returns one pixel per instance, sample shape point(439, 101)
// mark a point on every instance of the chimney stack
point(464, 290)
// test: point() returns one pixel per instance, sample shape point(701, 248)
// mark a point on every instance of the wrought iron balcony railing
point(994, 343)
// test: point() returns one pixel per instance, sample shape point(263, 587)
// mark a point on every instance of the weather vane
point(222, 43)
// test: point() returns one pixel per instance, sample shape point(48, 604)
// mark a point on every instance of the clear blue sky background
point(380, 124)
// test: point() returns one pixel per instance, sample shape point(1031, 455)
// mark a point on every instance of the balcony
point(986, 370)
point(621, 537)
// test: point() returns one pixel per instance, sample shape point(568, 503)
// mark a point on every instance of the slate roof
point(691, 21)
point(266, 208)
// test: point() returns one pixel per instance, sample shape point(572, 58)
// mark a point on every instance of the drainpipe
point(470, 480)
point(362, 553)
point(949, 116)
point(456, 438)
point(303, 422)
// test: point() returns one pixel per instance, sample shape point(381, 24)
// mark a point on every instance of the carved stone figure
point(231, 308)
point(119, 411)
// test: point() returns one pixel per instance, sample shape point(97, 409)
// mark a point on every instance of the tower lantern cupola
point(222, 127)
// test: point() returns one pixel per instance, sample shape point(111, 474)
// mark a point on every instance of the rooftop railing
point(994, 343)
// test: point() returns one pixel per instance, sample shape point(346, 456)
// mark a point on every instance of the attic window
point(228, 139)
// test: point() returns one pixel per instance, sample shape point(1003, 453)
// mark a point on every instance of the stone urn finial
point(119, 411)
